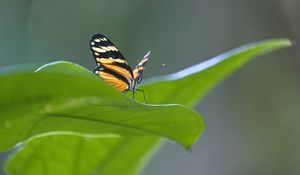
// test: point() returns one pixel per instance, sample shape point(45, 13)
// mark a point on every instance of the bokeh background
point(252, 118)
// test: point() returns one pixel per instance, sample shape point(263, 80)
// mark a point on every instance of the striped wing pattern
point(112, 66)
point(139, 69)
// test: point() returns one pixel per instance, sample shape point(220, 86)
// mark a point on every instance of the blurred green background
point(252, 118)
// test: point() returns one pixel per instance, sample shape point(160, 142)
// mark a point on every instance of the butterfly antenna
point(147, 54)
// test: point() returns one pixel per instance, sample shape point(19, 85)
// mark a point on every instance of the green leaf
point(66, 98)
point(81, 155)
point(190, 85)
point(186, 87)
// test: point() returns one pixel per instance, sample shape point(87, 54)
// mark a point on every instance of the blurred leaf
point(185, 87)
point(81, 155)
point(190, 85)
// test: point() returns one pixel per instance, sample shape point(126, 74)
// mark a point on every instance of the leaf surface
point(65, 98)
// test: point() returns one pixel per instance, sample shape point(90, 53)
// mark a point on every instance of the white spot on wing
point(97, 40)
point(110, 48)
point(98, 49)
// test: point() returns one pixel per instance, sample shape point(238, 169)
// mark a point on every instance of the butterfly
point(113, 68)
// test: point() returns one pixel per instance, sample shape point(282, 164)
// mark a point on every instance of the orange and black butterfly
point(112, 66)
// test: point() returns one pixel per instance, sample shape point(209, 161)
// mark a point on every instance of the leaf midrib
point(53, 115)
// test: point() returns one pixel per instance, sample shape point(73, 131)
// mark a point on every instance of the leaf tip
point(283, 42)
point(288, 42)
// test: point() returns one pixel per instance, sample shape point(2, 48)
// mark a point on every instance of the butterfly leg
point(133, 95)
point(143, 94)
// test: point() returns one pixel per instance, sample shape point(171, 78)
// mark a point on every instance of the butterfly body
point(112, 66)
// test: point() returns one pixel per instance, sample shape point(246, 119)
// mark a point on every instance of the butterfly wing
point(112, 66)
point(139, 69)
